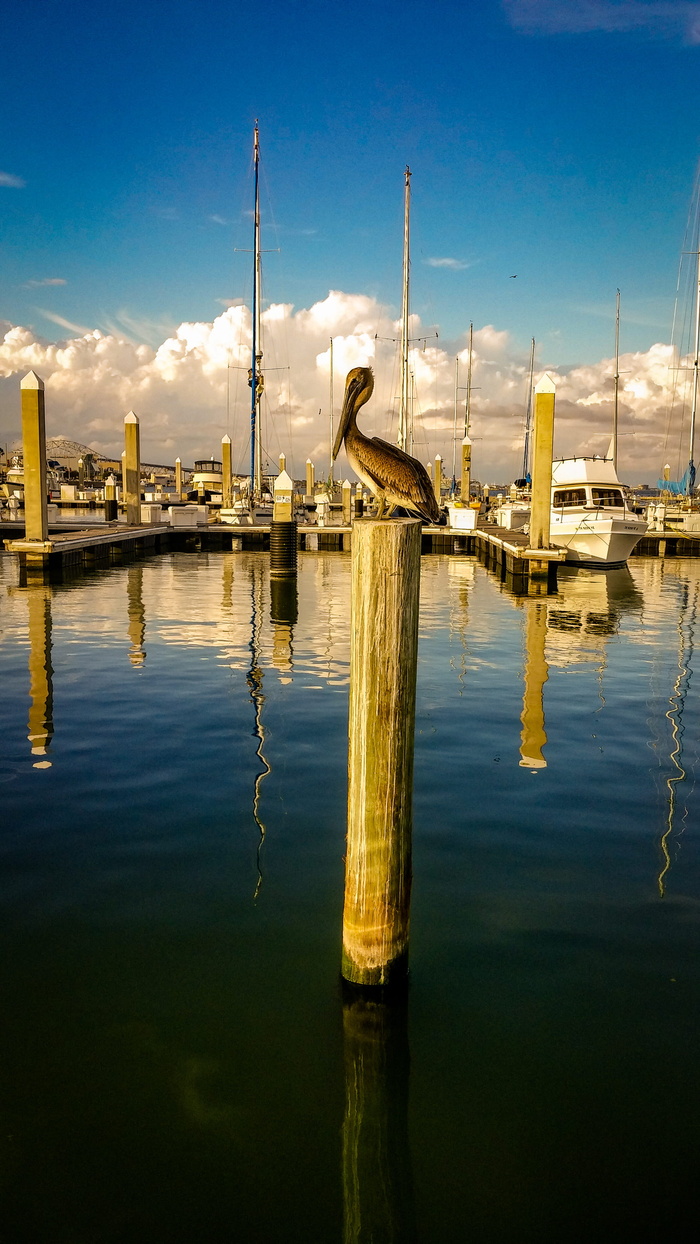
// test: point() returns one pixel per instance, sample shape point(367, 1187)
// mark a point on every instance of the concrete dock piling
point(383, 661)
point(132, 469)
point(227, 485)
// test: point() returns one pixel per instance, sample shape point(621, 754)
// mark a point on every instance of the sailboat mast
point(405, 438)
point(454, 431)
point(617, 379)
point(255, 368)
point(696, 364)
point(468, 403)
point(528, 410)
point(330, 442)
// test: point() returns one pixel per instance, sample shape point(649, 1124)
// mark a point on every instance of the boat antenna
point(468, 402)
point(528, 411)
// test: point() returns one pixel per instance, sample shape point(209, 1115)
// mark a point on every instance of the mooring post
point(81, 473)
point(543, 445)
point(123, 496)
point(110, 499)
point(308, 499)
point(383, 660)
point(178, 479)
point(226, 463)
point(347, 502)
point(36, 525)
point(437, 481)
point(283, 530)
point(283, 463)
point(132, 470)
point(466, 475)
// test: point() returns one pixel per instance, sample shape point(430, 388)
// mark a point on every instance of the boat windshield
point(570, 496)
point(607, 496)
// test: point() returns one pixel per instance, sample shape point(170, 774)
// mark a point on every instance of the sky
point(553, 149)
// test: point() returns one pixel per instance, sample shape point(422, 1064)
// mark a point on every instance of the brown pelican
point(390, 474)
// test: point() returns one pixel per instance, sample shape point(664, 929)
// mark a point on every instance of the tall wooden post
point(383, 659)
point(227, 485)
point(178, 479)
point(347, 502)
point(132, 470)
point(36, 525)
point(81, 473)
point(283, 463)
point(437, 480)
point(466, 474)
point(309, 480)
point(123, 496)
point(542, 463)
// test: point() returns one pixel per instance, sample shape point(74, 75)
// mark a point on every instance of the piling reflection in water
point(533, 736)
point(137, 614)
point(40, 673)
point(377, 1175)
point(284, 611)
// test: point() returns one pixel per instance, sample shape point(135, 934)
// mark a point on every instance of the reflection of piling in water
point(284, 610)
point(377, 1180)
point(533, 735)
point(137, 614)
point(383, 657)
point(40, 673)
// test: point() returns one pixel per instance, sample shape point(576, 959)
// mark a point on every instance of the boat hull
point(597, 540)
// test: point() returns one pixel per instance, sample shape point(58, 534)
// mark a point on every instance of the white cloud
point(183, 385)
point(657, 17)
point(454, 265)
point(12, 182)
point(219, 220)
point(59, 320)
point(48, 280)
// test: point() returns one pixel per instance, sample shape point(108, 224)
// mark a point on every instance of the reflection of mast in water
point(137, 614)
point(674, 714)
point(40, 674)
point(533, 735)
point(255, 684)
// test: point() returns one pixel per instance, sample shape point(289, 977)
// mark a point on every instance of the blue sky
point(556, 141)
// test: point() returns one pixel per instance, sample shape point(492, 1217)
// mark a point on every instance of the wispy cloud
point(166, 213)
point(454, 265)
point(665, 18)
point(48, 280)
point(230, 302)
point(220, 220)
point(58, 319)
point(137, 328)
point(14, 183)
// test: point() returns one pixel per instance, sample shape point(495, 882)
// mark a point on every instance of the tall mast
point(330, 442)
point(528, 410)
point(468, 403)
point(696, 364)
point(256, 379)
point(617, 379)
point(454, 431)
point(405, 438)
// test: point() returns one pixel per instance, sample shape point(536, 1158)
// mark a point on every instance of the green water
point(179, 1062)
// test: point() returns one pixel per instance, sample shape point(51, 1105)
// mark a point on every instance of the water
point(179, 1061)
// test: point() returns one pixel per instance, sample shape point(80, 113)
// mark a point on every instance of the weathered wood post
point(383, 660)
point(437, 481)
point(81, 473)
point(283, 463)
point(110, 499)
point(227, 471)
point(36, 526)
point(347, 502)
point(358, 501)
point(542, 463)
point(178, 479)
point(308, 499)
point(466, 475)
point(283, 530)
point(132, 470)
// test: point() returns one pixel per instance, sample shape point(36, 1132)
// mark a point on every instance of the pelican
point(394, 477)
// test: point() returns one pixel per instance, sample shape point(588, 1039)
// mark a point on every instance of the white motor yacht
point(590, 516)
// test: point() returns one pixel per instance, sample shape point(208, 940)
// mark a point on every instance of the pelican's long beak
point(351, 391)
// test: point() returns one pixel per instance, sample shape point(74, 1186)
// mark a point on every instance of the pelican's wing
point(403, 478)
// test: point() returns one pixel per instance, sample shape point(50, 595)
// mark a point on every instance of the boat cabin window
point(607, 496)
point(570, 496)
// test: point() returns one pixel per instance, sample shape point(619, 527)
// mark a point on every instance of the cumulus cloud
point(655, 17)
point(455, 265)
point(48, 280)
point(191, 388)
point(12, 182)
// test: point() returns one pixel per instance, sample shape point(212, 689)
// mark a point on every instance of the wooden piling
point(227, 471)
point(36, 525)
point(437, 479)
point(466, 472)
point(540, 514)
point(178, 479)
point(383, 659)
point(132, 470)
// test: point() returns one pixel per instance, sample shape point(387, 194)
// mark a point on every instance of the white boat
point(590, 516)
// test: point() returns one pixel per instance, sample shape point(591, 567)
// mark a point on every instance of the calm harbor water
point(179, 1062)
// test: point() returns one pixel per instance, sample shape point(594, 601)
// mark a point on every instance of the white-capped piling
point(132, 469)
point(543, 444)
point(110, 499)
point(34, 458)
point(383, 660)
point(283, 530)
point(227, 469)
point(347, 502)
point(437, 478)
point(308, 499)
point(466, 472)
